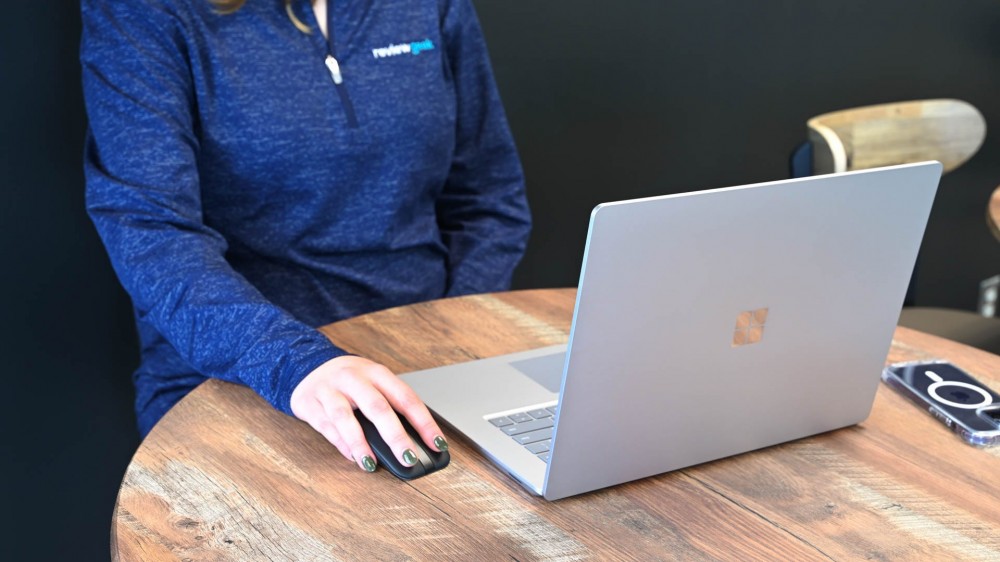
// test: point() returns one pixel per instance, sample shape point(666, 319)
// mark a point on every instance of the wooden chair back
point(993, 213)
point(947, 130)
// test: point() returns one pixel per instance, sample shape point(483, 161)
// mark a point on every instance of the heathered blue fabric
point(240, 210)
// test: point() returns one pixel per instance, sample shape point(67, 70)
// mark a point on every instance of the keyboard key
point(539, 414)
point(517, 429)
point(501, 421)
point(544, 457)
point(552, 409)
point(539, 447)
point(520, 417)
point(534, 436)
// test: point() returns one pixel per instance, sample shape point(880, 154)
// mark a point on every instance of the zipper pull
point(334, 66)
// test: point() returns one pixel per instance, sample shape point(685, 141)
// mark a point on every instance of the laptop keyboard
point(531, 428)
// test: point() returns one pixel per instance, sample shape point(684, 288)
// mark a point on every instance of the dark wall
point(626, 99)
point(607, 101)
point(67, 344)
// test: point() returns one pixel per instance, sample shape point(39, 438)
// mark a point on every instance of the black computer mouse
point(428, 460)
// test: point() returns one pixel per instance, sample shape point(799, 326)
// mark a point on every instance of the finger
point(378, 410)
point(404, 400)
point(340, 413)
point(329, 431)
point(311, 412)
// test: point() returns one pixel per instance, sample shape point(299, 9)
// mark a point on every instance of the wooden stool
point(993, 213)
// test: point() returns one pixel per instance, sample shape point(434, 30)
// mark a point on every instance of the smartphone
point(951, 395)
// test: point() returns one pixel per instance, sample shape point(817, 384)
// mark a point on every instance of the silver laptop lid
point(717, 322)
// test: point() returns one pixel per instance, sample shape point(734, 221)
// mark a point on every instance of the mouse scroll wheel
point(424, 459)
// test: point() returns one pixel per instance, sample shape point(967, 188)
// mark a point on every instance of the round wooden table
point(223, 476)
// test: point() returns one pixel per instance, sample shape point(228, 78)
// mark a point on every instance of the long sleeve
point(483, 211)
point(143, 195)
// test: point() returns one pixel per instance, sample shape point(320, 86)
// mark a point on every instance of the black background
point(607, 100)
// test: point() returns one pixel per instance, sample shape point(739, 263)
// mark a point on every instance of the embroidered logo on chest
point(414, 48)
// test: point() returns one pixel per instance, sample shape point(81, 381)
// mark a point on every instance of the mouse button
point(404, 472)
point(441, 460)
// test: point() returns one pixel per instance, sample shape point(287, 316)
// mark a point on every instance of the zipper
point(333, 65)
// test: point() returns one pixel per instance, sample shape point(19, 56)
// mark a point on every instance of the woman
point(259, 169)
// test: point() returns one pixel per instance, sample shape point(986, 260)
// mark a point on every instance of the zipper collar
point(328, 46)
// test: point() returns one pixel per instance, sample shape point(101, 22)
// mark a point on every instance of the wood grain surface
point(225, 477)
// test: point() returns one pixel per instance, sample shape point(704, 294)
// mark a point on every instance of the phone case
point(970, 408)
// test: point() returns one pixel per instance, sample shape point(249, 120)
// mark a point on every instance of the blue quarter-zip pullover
point(245, 198)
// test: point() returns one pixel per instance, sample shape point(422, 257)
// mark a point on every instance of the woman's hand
point(327, 397)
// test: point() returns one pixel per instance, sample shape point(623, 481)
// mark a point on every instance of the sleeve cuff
point(299, 368)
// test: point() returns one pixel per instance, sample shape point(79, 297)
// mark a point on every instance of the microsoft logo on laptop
point(749, 327)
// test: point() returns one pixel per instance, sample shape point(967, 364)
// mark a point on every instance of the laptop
point(706, 324)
